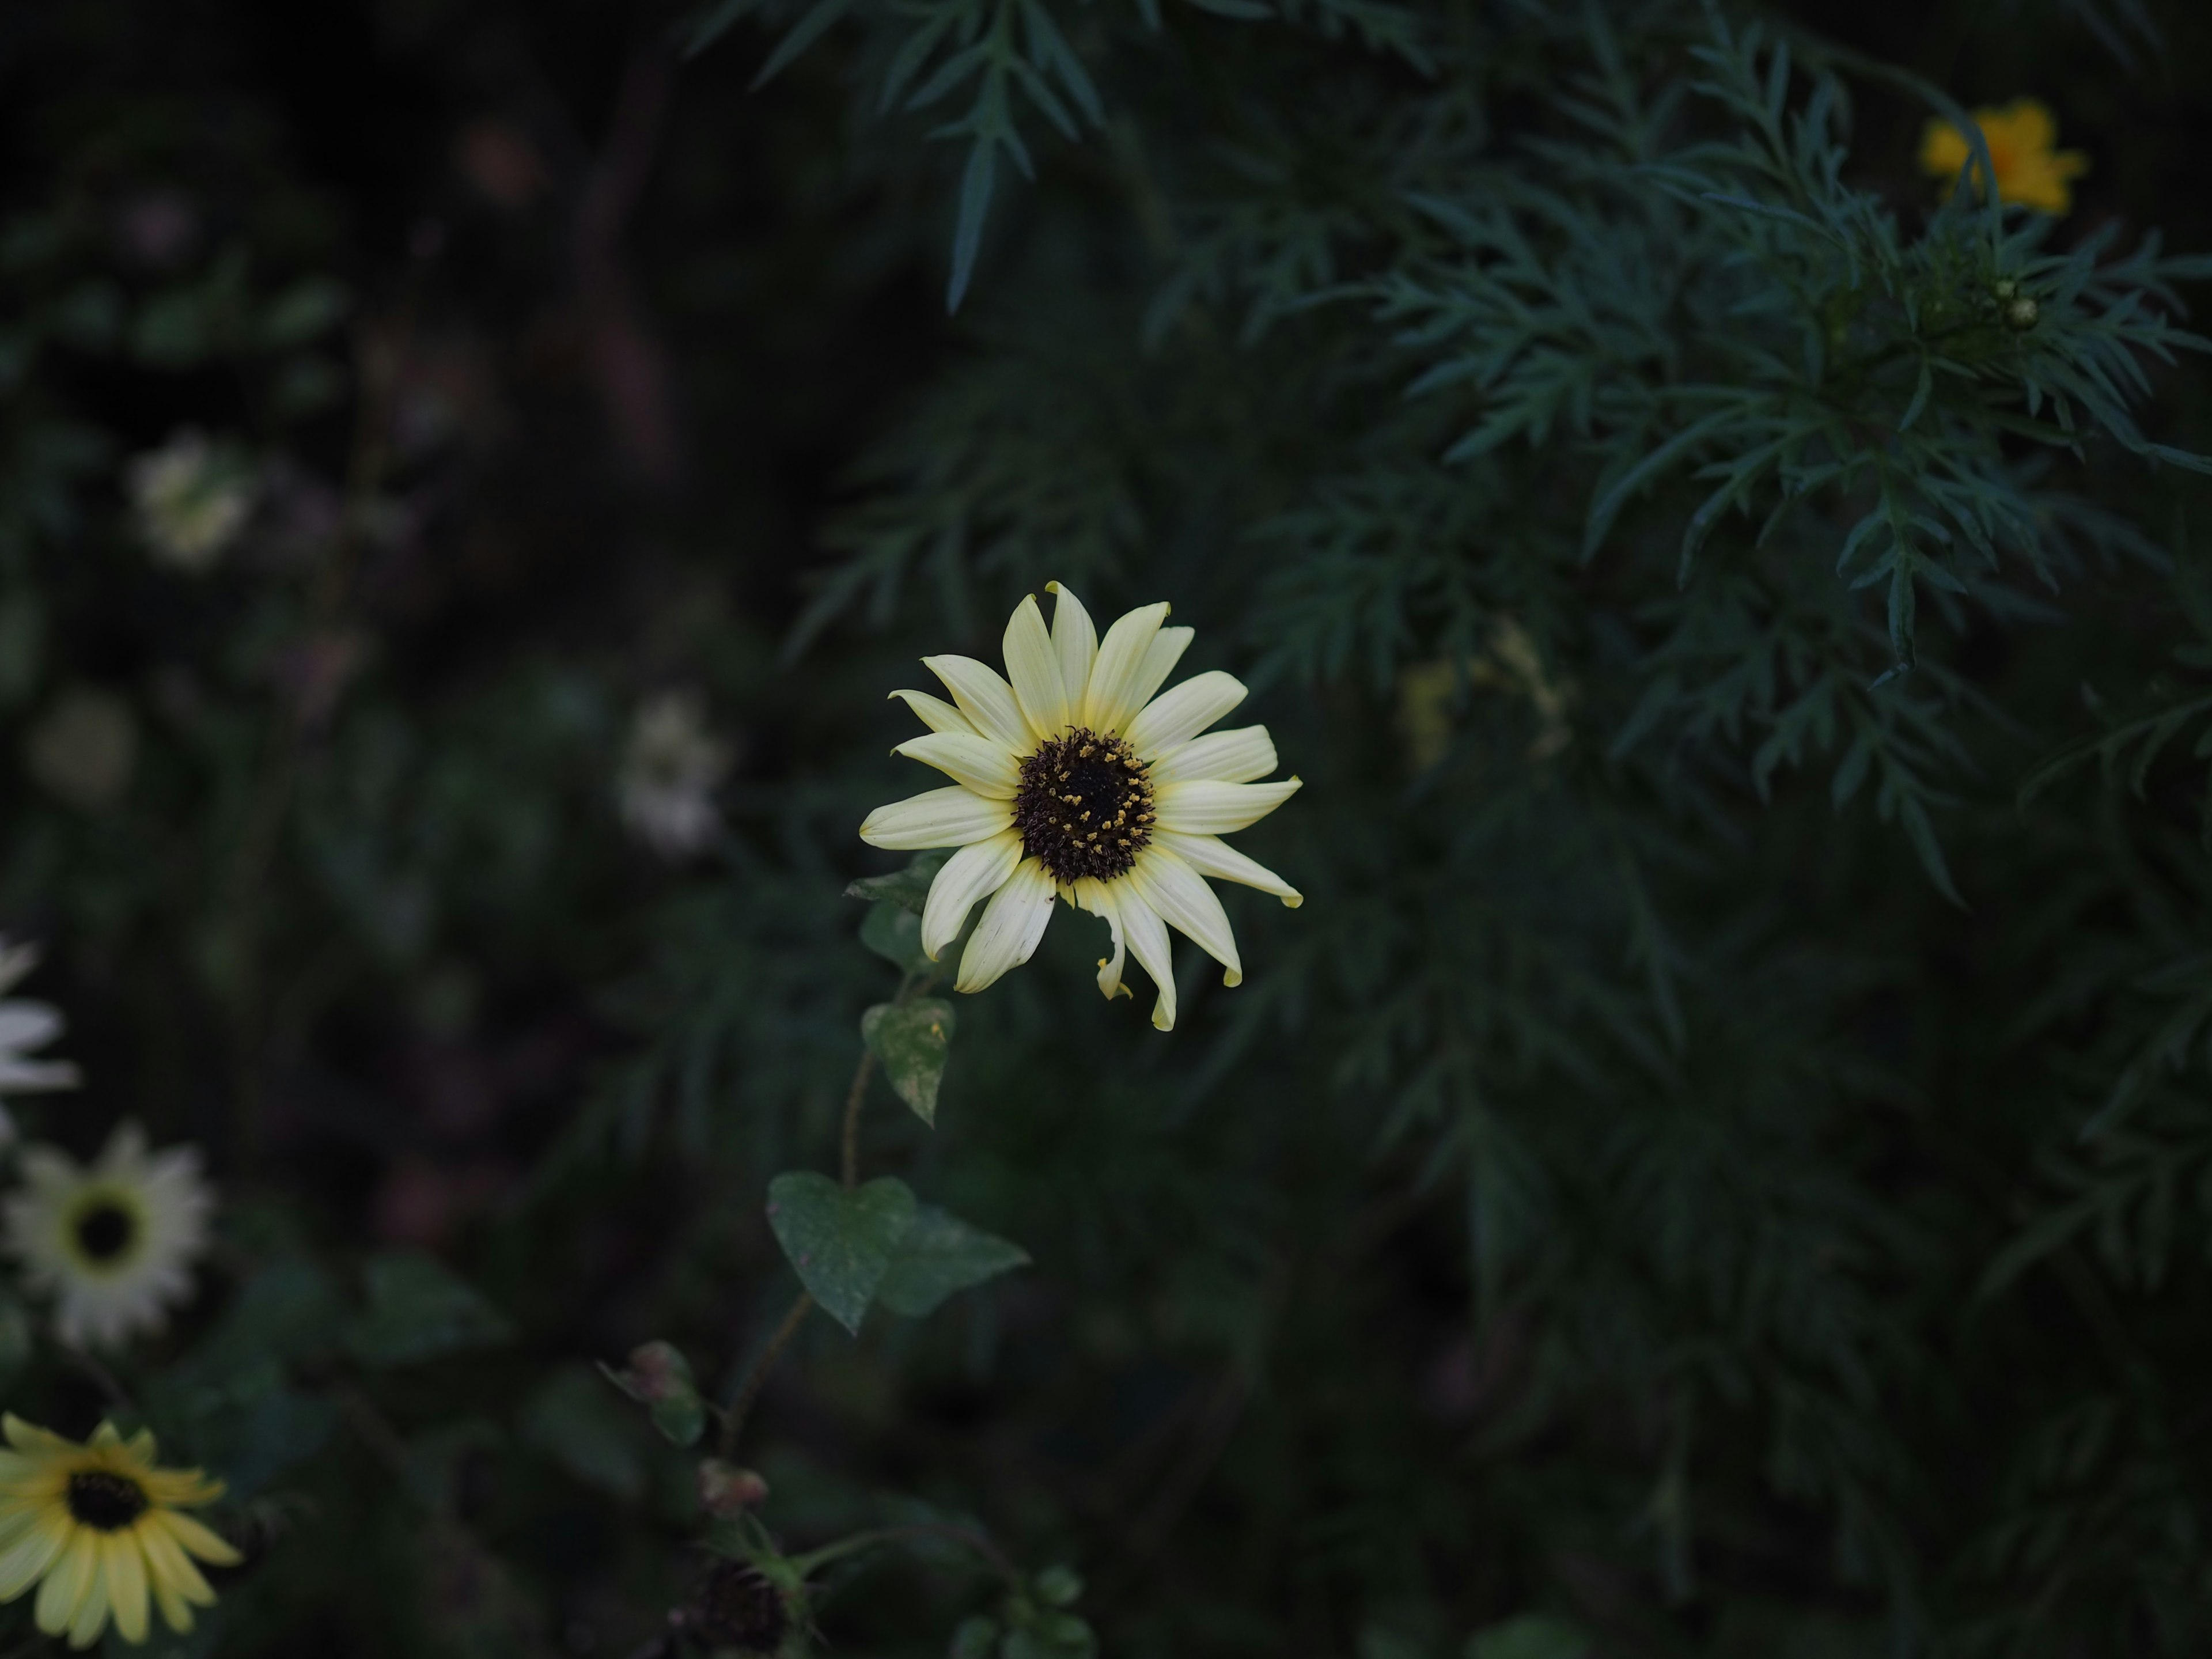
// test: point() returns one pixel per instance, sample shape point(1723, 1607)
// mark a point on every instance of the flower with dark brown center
point(1079, 779)
point(1084, 807)
point(103, 1500)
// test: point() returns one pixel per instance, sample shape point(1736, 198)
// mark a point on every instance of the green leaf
point(289, 1309)
point(839, 1241)
point(587, 1430)
point(977, 1638)
point(1531, 1636)
point(910, 1040)
point(908, 888)
point(894, 933)
point(940, 1254)
point(417, 1311)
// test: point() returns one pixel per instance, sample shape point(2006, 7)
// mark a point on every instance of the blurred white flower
point(669, 774)
point(192, 499)
point(26, 1025)
point(112, 1243)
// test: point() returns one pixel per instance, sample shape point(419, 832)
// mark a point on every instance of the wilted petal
point(1148, 942)
point(1097, 897)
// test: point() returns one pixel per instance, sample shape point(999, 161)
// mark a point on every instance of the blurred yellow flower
point(101, 1531)
point(2020, 137)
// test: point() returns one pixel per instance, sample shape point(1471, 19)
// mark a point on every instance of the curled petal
point(1237, 756)
point(1212, 857)
point(1013, 922)
point(939, 817)
point(936, 713)
point(1110, 698)
point(985, 699)
point(1148, 942)
point(1074, 641)
point(975, 871)
point(1206, 808)
point(1178, 716)
point(1180, 896)
point(983, 765)
point(1033, 668)
point(1097, 897)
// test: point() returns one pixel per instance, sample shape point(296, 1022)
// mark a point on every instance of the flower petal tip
point(1232, 978)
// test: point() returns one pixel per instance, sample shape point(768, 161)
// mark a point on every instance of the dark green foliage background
point(1721, 1156)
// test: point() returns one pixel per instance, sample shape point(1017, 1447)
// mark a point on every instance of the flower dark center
point(1084, 806)
point(105, 1501)
point(105, 1231)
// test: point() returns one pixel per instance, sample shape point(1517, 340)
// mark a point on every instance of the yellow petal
point(1237, 756)
point(984, 698)
point(1013, 922)
point(974, 872)
point(1148, 942)
point(69, 1583)
point(1179, 896)
point(1175, 717)
point(23, 1561)
point(1219, 809)
point(196, 1538)
point(1074, 641)
point(1110, 697)
point(936, 713)
point(1211, 856)
point(977, 763)
point(126, 1583)
point(176, 1580)
point(1033, 667)
point(938, 817)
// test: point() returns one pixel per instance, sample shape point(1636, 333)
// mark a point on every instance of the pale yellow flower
point(101, 1532)
point(2022, 138)
point(113, 1243)
point(1082, 781)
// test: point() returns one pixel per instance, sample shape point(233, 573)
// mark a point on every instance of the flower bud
point(725, 1489)
point(2022, 314)
point(2005, 287)
point(658, 1372)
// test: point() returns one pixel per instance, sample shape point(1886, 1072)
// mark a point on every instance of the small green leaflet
point(941, 1255)
point(911, 1039)
point(908, 888)
point(839, 1241)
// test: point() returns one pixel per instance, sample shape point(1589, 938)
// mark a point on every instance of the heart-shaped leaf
point(894, 933)
point(911, 1039)
point(941, 1254)
point(839, 1240)
point(908, 888)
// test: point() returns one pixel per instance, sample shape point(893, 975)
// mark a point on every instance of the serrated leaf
point(910, 1041)
point(417, 1310)
point(940, 1256)
point(839, 1241)
point(908, 889)
point(894, 933)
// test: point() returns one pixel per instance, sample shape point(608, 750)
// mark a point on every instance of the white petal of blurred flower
point(192, 497)
point(1079, 779)
point(26, 1025)
point(112, 1242)
point(670, 770)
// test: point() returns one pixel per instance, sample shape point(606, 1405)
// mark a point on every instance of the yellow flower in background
point(1076, 782)
point(2020, 137)
point(98, 1529)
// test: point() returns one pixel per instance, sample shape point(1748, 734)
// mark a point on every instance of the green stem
point(807, 1564)
point(733, 1420)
